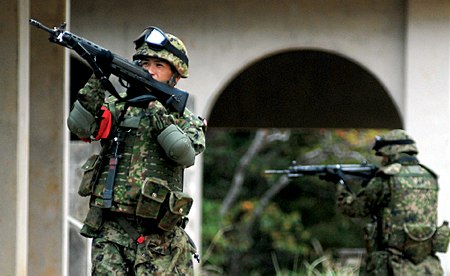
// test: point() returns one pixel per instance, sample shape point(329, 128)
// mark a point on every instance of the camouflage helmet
point(155, 43)
point(393, 142)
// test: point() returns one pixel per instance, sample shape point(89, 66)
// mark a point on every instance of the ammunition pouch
point(92, 222)
point(441, 238)
point(90, 174)
point(179, 206)
point(418, 241)
point(153, 194)
point(158, 202)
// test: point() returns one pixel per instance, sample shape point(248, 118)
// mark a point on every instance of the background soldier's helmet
point(180, 65)
point(393, 142)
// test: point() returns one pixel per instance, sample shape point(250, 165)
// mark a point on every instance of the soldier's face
point(158, 68)
point(384, 159)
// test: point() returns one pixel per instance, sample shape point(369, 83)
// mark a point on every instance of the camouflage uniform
point(402, 199)
point(142, 232)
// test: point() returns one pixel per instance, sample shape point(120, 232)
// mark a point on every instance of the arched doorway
point(305, 89)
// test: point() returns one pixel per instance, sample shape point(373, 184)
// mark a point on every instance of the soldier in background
point(403, 199)
point(137, 206)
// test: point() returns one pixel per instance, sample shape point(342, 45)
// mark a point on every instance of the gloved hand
point(160, 118)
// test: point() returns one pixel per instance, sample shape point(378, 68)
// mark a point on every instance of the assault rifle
point(104, 62)
point(337, 173)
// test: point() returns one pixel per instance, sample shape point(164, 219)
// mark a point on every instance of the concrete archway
point(305, 89)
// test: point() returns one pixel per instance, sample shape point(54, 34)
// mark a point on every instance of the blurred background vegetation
point(266, 224)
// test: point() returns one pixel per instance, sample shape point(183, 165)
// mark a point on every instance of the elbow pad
point(177, 145)
point(81, 122)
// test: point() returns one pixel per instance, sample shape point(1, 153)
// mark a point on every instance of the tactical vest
point(142, 158)
point(409, 220)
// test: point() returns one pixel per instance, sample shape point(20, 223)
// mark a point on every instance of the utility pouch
point(378, 263)
point(370, 233)
point(90, 173)
point(418, 243)
point(179, 206)
point(153, 194)
point(92, 222)
point(441, 238)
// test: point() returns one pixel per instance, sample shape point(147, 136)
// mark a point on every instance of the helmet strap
point(173, 80)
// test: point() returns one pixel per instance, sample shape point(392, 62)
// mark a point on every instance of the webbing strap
point(113, 162)
point(132, 232)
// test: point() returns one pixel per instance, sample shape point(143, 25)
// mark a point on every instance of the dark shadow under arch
point(305, 89)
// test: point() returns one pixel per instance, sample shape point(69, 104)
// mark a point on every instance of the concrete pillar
point(31, 107)
point(12, 143)
point(46, 134)
point(427, 101)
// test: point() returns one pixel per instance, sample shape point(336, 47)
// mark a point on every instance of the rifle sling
point(109, 187)
point(119, 137)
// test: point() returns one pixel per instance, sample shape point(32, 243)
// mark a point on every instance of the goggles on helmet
point(379, 142)
point(157, 40)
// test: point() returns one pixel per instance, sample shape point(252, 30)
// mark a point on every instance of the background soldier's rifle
point(336, 173)
point(104, 63)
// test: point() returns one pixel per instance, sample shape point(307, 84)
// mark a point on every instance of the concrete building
point(336, 63)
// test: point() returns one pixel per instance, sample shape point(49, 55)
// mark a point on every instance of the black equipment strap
point(114, 161)
point(132, 232)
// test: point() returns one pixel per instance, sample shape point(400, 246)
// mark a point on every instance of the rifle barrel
point(276, 171)
point(41, 26)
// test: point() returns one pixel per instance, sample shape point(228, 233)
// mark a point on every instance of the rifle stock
point(136, 77)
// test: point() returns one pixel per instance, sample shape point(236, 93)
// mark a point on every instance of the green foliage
point(213, 233)
point(297, 216)
point(286, 231)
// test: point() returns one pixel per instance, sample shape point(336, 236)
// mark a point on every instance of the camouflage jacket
point(141, 156)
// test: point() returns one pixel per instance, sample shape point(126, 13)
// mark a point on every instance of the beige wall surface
point(9, 134)
point(223, 37)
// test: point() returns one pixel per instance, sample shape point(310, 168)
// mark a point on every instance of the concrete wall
point(427, 86)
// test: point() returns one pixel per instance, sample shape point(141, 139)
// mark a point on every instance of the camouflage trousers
point(114, 253)
point(382, 263)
